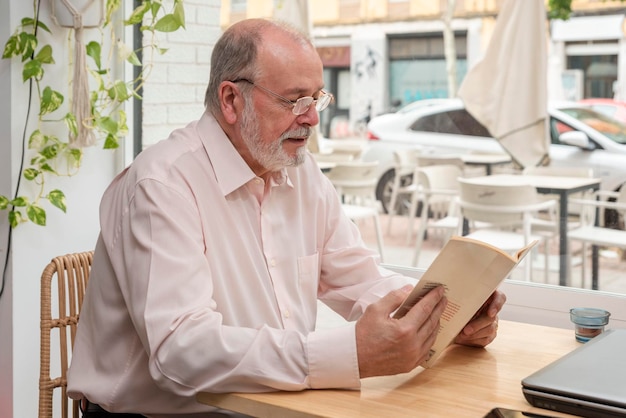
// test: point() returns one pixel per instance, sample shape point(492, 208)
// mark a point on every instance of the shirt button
point(273, 262)
point(286, 314)
point(258, 181)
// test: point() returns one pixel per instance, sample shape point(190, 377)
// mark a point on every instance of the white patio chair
point(439, 188)
point(511, 210)
point(404, 182)
point(591, 231)
point(355, 182)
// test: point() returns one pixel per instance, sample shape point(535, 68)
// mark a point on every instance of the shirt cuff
point(333, 361)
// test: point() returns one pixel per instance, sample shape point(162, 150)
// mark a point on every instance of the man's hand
point(483, 327)
point(387, 346)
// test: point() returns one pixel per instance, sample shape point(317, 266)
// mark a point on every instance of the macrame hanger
point(80, 83)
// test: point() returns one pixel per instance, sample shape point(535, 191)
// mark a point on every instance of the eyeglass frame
point(323, 100)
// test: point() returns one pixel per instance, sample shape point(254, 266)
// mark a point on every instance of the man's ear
point(230, 101)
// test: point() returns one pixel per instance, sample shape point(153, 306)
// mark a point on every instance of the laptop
point(589, 381)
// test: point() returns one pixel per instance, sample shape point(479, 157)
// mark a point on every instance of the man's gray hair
point(235, 55)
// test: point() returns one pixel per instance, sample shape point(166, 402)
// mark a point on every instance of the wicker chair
point(72, 273)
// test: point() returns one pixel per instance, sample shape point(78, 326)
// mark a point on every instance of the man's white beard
point(270, 155)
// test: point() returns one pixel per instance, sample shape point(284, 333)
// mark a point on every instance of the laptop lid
point(589, 381)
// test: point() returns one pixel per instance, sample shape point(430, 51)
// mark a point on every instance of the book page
point(470, 271)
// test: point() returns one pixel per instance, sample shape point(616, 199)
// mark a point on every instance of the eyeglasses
point(300, 106)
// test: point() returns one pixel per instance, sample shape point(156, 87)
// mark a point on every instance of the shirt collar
point(230, 169)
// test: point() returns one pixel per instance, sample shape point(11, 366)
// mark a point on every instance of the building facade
point(381, 54)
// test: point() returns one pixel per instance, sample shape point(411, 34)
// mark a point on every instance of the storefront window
point(417, 67)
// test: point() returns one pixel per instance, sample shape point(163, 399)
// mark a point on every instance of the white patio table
point(562, 187)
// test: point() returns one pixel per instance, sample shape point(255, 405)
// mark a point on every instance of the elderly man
point(217, 243)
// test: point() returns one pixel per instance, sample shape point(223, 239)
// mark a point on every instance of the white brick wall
point(174, 93)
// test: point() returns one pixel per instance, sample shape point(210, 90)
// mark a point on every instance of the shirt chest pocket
point(308, 273)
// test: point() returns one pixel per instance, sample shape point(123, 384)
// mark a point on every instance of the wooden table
point(465, 382)
point(563, 187)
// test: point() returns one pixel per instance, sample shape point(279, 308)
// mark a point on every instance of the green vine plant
point(54, 156)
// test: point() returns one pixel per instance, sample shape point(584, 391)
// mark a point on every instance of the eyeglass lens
point(303, 103)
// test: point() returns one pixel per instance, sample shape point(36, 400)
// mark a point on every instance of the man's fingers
point(429, 308)
point(392, 300)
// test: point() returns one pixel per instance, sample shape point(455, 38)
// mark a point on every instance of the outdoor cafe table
point(486, 160)
point(465, 382)
point(563, 187)
point(326, 166)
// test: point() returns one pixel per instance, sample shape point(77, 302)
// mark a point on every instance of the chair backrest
point(405, 161)
point(496, 204)
point(439, 184)
point(355, 179)
point(63, 284)
point(440, 177)
point(604, 200)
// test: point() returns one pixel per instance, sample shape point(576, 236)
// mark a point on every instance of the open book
point(470, 271)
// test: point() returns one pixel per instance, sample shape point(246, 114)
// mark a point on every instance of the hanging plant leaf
point(15, 217)
point(168, 23)
point(27, 45)
point(119, 91)
point(122, 126)
point(38, 160)
point(111, 142)
point(155, 7)
point(133, 59)
point(50, 152)
point(137, 14)
point(179, 13)
point(75, 156)
point(32, 69)
point(19, 201)
point(11, 48)
point(31, 173)
point(43, 26)
point(57, 198)
point(36, 139)
point(45, 55)
point(29, 21)
point(48, 168)
point(50, 101)
point(107, 124)
point(36, 214)
point(94, 51)
point(111, 7)
point(72, 125)
point(4, 202)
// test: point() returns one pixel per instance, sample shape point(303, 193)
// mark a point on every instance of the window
point(601, 123)
point(600, 73)
point(418, 66)
point(456, 122)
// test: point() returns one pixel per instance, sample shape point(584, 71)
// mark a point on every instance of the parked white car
point(580, 137)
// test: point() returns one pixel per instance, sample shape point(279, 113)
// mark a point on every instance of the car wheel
point(385, 188)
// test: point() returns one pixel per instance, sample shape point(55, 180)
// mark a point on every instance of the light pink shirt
point(207, 279)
